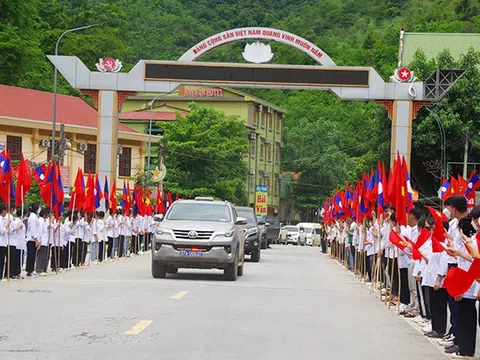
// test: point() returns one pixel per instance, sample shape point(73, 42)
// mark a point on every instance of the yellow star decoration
point(156, 173)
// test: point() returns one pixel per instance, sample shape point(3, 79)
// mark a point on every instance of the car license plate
point(191, 253)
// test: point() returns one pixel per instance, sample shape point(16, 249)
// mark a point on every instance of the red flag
point(129, 199)
point(438, 216)
point(113, 196)
point(396, 240)
point(401, 195)
point(416, 254)
point(474, 270)
point(148, 203)
point(89, 205)
point(24, 180)
point(457, 281)
point(169, 200)
point(46, 186)
point(422, 238)
point(391, 195)
point(452, 191)
point(78, 192)
point(462, 186)
point(177, 197)
point(159, 207)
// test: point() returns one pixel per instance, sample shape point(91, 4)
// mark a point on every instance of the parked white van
point(309, 234)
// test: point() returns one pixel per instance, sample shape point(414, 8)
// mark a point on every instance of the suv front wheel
point(231, 271)
point(159, 271)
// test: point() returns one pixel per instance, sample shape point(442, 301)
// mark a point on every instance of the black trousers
point(64, 255)
point(55, 257)
point(466, 326)
point(427, 292)
point(17, 262)
point(394, 265)
point(369, 266)
point(439, 311)
point(422, 301)
point(3, 255)
point(10, 261)
point(110, 247)
point(77, 252)
point(84, 252)
point(404, 289)
point(31, 256)
point(452, 305)
point(101, 247)
point(121, 242)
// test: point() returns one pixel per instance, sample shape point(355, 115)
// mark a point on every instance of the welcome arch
point(109, 89)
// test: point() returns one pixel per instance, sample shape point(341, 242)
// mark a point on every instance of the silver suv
point(201, 234)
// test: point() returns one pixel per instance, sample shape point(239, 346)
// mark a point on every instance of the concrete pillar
point(402, 117)
point(107, 134)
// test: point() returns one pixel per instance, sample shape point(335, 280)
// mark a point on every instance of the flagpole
point(8, 232)
point(388, 292)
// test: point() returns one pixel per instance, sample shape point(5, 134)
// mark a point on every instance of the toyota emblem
point(192, 234)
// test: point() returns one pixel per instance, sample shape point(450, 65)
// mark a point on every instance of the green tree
point(205, 155)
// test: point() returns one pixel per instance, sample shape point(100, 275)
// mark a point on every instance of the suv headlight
point(161, 231)
point(251, 231)
point(229, 233)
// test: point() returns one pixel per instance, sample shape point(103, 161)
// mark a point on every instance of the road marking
point(179, 295)
point(139, 327)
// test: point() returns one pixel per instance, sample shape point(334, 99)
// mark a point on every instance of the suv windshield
point(247, 214)
point(291, 228)
point(199, 212)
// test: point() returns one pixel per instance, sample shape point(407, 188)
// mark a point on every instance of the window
point(269, 152)
point(252, 182)
point(270, 121)
point(263, 120)
point(14, 146)
point(255, 116)
point(267, 182)
point(125, 162)
point(199, 212)
point(262, 148)
point(253, 148)
point(277, 154)
point(276, 187)
point(90, 159)
point(278, 123)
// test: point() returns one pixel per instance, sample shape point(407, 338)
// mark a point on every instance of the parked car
point(292, 234)
point(262, 225)
point(317, 235)
point(273, 229)
point(307, 235)
point(201, 234)
point(252, 233)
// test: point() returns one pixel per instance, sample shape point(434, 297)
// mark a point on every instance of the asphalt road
point(295, 304)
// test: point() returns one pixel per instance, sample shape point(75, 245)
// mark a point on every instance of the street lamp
point(443, 140)
point(54, 122)
point(150, 129)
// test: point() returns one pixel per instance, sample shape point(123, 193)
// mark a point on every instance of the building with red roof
point(26, 127)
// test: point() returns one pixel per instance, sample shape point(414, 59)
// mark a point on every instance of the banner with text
point(261, 194)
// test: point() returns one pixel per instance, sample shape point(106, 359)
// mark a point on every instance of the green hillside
point(327, 140)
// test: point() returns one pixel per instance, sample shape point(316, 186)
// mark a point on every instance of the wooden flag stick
point(8, 234)
point(387, 288)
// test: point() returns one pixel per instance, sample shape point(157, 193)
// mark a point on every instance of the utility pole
point(465, 156)
point(61, 145)
point(160, 163)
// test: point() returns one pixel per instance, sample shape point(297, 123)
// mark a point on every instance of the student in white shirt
point(67, 233)
point(466, 310)
point(128, 233)
point(41, 262)
point(4, 228)
point(54, 241)
point(121, 219)
point(33, 242)
point(110, 223)
point(100, 234)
